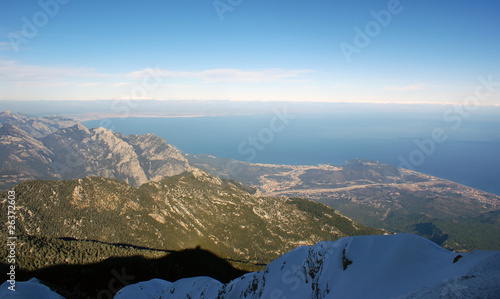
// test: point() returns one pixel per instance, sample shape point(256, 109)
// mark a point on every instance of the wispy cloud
point(18, 78)
point(23, 75)
point(224, 75)
point(33, 75)
point(5, 46)
point(341, 86)
point(413, 87)
point(120, 84)
point(89, 84)
point(233, 75)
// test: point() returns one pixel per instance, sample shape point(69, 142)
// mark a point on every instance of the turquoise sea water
point(469, 155)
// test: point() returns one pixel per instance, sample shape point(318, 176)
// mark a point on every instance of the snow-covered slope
point(27, 289)
point(391, 266)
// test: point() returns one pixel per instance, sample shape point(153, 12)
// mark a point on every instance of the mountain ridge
point(372, 193)
point(36, 127)
point(378, 195)
point(74, 152)
point(182, 211)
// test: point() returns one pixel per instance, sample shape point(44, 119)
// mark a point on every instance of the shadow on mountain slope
point(429, 231)
point(104, 279)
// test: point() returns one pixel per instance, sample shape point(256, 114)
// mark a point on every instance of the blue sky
point(428, 52)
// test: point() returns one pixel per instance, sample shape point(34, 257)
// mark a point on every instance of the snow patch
point(383, 266)
point(28, 289)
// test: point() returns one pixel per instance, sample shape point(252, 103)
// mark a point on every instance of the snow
point(390, 266)
point(145, 289)
point(28, 289)
point(383, 266)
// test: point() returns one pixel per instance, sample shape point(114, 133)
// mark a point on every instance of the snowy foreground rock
point(402, 266)
point(391, 266)
point(28, 289)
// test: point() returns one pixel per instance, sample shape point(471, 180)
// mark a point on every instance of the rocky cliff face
point(157, 158)
point(75, 152)
point(80, 152)
point(22, 157)
point(36, 127)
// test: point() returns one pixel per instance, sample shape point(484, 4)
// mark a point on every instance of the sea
point(452, 146)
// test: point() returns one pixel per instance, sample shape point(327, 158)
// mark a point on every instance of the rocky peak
point(12, 134)
point(8, 129)
point(69, 150)
point(5, 113)
point(36, 127)
point(77, 131)
point(204, 176)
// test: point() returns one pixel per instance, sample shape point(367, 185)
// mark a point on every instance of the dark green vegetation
point(74, 235)
point(246, 173)
point(451, 223)
point(178, 212)
point(82, 269)
point(343, 224)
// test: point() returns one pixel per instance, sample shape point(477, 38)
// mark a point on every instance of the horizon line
point(254, 101)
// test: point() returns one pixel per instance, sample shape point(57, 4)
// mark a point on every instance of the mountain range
point(37, 127)
point(76, 152)
point(374, 194)
point(97, 196)
point(182, 211)
point(63, 225)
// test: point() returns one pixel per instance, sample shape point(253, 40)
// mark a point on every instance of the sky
point(385, 51)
